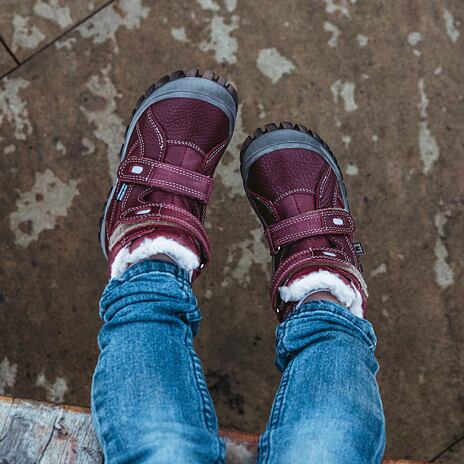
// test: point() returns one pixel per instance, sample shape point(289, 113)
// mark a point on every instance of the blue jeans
point(150, 401)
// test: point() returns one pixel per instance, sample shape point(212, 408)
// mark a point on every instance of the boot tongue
point(293, 205)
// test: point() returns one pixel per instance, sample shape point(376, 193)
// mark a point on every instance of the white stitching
point(334, 197)
point(283, 240)
point(160, 165)
point(298, 190)
point(215, 152)
point(350, 246)
point(266, 205)
point(324, 181)
point(155, 126)
point(188, 144)
point(311, 215)
point(140, 138)
point(158, 182)
point(135, 145)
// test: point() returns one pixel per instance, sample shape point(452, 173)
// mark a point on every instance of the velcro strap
point(145, 171)
point(317, 222)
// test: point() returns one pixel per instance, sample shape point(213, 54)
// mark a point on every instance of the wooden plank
point(33, 432)
point(37, 432)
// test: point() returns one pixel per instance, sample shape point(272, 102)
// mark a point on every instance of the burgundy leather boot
point(177, 134)
point(296, 188)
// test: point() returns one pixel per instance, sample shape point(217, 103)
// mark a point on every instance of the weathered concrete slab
point(6, 61)
point(454, 455)
point(29, 25)
point(381, 81)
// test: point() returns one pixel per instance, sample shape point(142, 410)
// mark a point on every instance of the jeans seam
point(200, 385)
point(96, 424)
point(275, 413)
point(221, 458)
point(202, 389)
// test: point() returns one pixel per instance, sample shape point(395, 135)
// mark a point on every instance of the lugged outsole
point(194, 72)
point(271, 127)
point(286, 125)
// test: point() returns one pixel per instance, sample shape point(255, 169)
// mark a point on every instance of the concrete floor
point(381, 81)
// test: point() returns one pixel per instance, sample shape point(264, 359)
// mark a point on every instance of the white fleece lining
point(326, 281)
point(183, 256)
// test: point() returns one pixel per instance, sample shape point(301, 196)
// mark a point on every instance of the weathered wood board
point(32, 432)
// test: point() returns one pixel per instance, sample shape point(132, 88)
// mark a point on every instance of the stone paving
point(381, 81)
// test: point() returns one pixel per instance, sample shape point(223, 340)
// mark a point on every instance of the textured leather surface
point(165, 179)
point(296, 195)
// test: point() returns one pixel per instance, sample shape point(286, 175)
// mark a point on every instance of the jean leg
point(328, 407)
point(150, 402)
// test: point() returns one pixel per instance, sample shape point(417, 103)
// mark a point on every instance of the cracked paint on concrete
point(9, 149)
point(230, 5)
point(109, 126)
point(88, 145)
point(346, 139)
point(414, 38)
point(55, 391)
point(345, 91)
point(60, 147)
point(66, 44)
point(428, 147)
point(24, 35)
point(444, 275)
point(38, 209)
point(380, 269)
point(52, 11)
point(179, 34)
point(362, 40)
point(8, 373)
point(273, 65)
point(221, 42)
point(334, 32)
point(450, 26)
point(103, 27)
point(245, 254)
point(352, 169)
point(228, 169)
point(13, 108)
point(208, 5)
point(338, 6)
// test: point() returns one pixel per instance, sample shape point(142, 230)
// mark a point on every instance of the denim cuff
point(317, 319)
point(151, 286)
point(156, 265)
